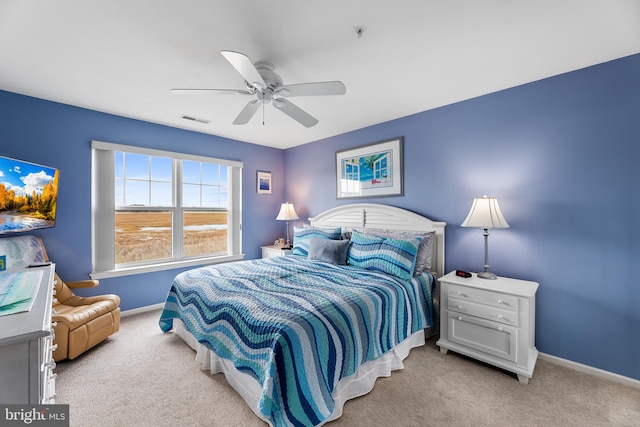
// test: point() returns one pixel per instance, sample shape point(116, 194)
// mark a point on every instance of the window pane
point(205, 233)
point(210, 173)
point(136, 193)
point(136, 166)
point(210, 197)
point(142, 236)
point(191, 195)
point(119, 158)
point(161, 194)
point(224, 198)
point(161, 169)
point(119, 187)
point(190, 172)
point(224, 174)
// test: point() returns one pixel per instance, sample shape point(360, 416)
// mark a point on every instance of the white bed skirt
point(358, 384)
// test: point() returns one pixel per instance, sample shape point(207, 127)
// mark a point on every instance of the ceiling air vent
point(195, 119)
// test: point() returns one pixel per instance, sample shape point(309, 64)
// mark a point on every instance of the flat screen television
point(28, 196)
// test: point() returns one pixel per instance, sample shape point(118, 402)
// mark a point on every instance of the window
point(155, 210)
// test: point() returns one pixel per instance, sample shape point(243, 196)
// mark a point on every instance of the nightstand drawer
point(274, 251)
point(482, 335)
point(496, 299)
point(501, 315)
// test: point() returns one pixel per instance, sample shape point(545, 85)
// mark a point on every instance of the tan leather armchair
point(81, 323)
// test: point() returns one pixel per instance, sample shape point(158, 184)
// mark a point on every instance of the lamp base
point(487, 275)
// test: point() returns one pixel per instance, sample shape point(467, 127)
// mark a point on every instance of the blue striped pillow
point(392, 256)
point(302, 238)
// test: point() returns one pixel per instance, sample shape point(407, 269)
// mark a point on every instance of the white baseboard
point(141, 309)
point(591, 370)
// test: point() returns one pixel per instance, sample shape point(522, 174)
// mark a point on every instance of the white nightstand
point(273, 251)
point(490, 320)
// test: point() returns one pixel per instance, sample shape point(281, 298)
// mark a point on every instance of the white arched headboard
point(373, 215)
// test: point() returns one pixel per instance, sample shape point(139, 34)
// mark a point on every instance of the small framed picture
point(264, 182)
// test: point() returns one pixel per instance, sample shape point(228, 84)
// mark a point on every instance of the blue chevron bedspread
point(297, 326)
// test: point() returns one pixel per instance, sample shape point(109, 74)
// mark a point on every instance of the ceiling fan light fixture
point(262, 81)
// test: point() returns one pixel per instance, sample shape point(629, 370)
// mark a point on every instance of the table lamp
point(485, 213)
point(287, 213)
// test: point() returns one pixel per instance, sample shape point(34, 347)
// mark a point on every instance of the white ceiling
point(124, 56)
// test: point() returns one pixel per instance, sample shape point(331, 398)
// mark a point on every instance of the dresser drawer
point(500, 315)
point(495, 299)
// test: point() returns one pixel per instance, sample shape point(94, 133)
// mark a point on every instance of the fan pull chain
point(263, 114)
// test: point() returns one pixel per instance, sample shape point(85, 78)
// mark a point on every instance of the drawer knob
point(459, 317)
point(461, 294)
point(500, 301)
point(500, 329)
point(459, 307)
point(500, 316)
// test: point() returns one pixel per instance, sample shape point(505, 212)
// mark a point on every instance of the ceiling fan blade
point(293, 111)
point(247, 112)
point(312, 89)
point(208, 91)
point(245, 67)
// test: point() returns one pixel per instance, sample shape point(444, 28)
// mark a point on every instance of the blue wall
point(60, 135)
point(562, 157)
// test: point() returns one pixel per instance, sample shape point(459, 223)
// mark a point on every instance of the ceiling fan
point(266, 85)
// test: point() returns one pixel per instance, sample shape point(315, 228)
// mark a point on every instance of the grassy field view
point(142, 236)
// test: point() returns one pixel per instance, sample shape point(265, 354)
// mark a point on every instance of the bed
point(297, 336)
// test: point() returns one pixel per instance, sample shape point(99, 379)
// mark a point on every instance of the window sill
point(164, 266)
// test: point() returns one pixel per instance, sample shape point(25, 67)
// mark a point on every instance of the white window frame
point(103, 212)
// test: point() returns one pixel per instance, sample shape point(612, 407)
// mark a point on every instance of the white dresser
point(26, 353)
point(490, 320)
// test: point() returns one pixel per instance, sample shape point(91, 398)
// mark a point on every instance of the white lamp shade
point(287, 213)
point(485, 213)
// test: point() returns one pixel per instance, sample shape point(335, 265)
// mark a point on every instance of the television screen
point(28, 195)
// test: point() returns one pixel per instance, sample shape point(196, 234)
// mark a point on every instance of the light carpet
point(142, 377)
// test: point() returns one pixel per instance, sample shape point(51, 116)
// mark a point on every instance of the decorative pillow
point(302, 236)
point(424, 260)
point(344, 235)
point(392, 256)
point(425, 251)
point(333, 251)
